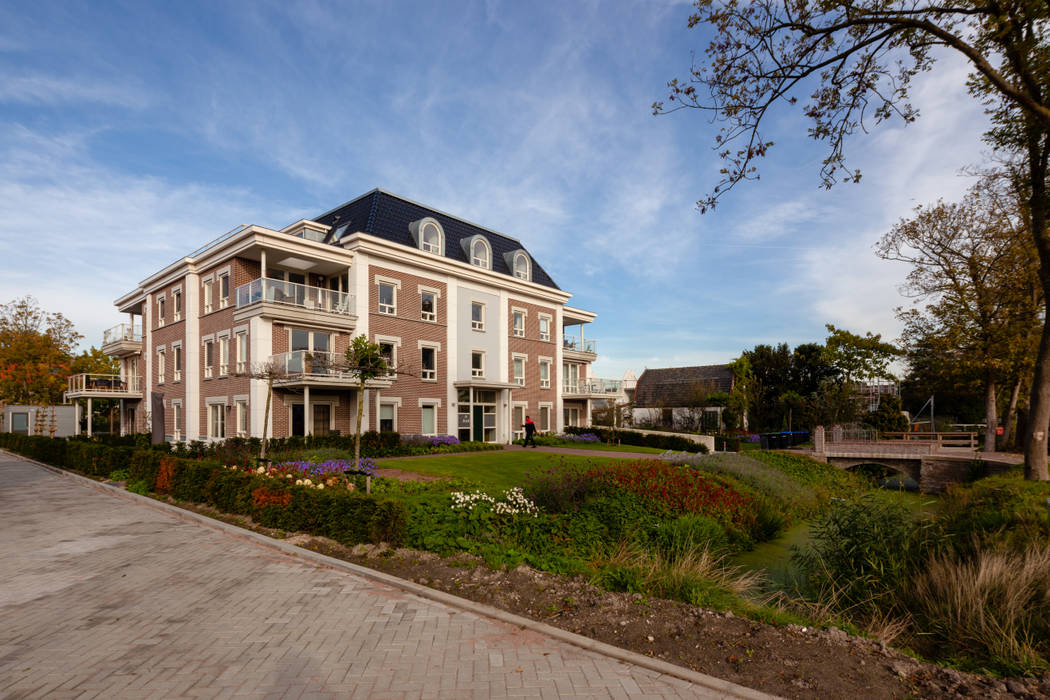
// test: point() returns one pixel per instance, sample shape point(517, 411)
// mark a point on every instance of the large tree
point(973, 265)
point(858, 60)
point(36, 351)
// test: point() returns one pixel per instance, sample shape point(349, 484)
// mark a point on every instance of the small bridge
point(933, 460)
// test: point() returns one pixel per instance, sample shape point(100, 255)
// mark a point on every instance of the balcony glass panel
point(293, 294)
point(585, 345)
point(121, 332)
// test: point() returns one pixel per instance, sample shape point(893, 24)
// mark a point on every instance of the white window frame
point(477, 372)
point(476, 325)
point(176, 305)
point(206, 292)
point(224, 354)
point(160, 311)
point(434, 405)
point(425, 374)
point(160, 365)
point(395, 404)
point(176, 413)
point(390, 309)
point(545, 317)
point(550, 412)
point(424, 315)
point(216, 407)
point(209, 369)
point(475, 260)
point(241, 415)
point(515, 313)
point(176, 361)
point(518, 427)
point(547, 362)
point(439, 248)
point(395, 343)
point(528, 267)
point(224, 274)
point(514, 360)
point(241, 343)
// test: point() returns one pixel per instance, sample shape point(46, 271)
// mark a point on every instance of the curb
point(710, 683)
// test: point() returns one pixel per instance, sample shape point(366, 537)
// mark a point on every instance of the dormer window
point(521, 266)
point(480, 255)
point(428, 235)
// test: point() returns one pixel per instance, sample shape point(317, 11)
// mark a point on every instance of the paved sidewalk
point(104, 596)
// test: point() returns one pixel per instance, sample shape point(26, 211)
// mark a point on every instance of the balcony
point(122, 340)
point(579, 348)
point(105, 386)
point(294, 302)
point(594, 388)
point(302, 367)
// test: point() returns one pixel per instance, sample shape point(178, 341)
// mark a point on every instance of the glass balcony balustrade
point(293, 294)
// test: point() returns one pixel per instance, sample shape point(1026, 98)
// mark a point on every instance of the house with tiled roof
point(480, 333)
point(676, 397)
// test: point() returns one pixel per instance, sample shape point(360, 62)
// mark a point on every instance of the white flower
point(320, 487)
point(298, 482)
point(307, 482)
point(260, 470)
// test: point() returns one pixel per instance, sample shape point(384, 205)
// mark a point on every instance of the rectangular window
point(209, 358)
point(545, 419)
point(387, 299)
point(545, 374)
point(428, 416)
point(224, 356)
point(176, 420)
point(477, 364)
point(518, 420)
point(160, 312)
point(477, 316)
point(207, 297)
point(242, 419)
point(224, 291)
point(519, 324)
point(428, 364)
point(20, 423)
point(387, 418)
point(429, 303)
point(176, 363)
point(160, 367)
point(242, 353)
point(176, 306)
point(216, 421)
point(545, 328)
point(519, 371)
point(389, 353)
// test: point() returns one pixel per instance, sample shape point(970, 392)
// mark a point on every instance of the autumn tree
point(973, 266)
point(857, 61)
point(36, 350)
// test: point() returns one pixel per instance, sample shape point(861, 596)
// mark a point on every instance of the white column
point(262, 266)
point(191, 358)
point(123, 430)
point(89, 416)
point(558, 419)
point(308, 414)
point(76, 416)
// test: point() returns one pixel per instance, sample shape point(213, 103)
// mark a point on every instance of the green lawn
point(492, 470)
point(605, 447)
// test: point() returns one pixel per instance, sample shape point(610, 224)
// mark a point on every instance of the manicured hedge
point(630, 437)
point(347, 516)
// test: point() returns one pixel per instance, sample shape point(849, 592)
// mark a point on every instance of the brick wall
point(532, 346)
point(408, 325)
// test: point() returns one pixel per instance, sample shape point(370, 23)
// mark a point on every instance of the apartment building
point(480, 334)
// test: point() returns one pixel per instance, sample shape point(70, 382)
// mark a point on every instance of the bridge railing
point(958, 439)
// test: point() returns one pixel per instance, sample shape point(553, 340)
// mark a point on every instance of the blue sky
point(132, 133)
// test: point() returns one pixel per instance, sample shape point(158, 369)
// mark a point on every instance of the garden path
point(104, 593)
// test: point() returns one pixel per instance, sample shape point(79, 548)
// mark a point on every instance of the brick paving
point(104, 596)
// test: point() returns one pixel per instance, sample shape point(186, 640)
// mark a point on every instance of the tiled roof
point(387, 216)
point(680, 386)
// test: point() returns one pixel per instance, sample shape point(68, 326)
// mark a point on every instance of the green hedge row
point(348, 517)
point(631, 437)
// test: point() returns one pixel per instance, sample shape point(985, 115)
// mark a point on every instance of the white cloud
point(52, 90)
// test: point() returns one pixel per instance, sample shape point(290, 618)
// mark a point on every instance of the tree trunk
point(266, 416)
point(357, 432)
point(991, 413)
point(1035, 462)
point(1011, 411)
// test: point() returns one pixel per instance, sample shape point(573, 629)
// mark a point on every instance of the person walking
point(530, 432)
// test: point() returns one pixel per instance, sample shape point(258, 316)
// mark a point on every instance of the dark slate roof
point(387, 216)
point(680, 386)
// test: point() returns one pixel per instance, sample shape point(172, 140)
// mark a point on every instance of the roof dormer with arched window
point(478, 250)
point(519, 264)
point(428, 235)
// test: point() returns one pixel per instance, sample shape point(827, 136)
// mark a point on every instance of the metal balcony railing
point(594, 386)
point(316, 364)
point(293, 294)
point(102, 384)
point(580, 345)
point(122, 332)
